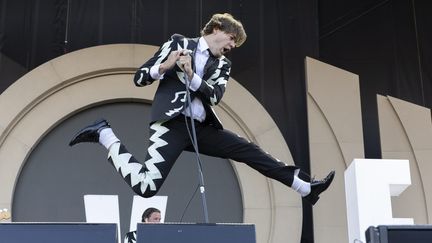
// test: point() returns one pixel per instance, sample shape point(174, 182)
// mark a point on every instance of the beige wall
point(406, 132)
point(336, 138)
point(335, 133)
point(56, 90)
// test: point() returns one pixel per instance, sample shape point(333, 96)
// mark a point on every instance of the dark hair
point(226, 23)
point(148, 212)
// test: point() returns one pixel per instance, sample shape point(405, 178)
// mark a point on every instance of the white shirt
point(201, 57)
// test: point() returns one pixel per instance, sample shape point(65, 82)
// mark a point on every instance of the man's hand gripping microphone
point(184, 58)
point(184, 62)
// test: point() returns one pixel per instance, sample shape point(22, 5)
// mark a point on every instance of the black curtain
point(388, 44)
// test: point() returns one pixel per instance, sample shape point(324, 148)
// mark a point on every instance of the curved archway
point(42, 99)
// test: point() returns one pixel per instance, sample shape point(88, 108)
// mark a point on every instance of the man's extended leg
point(165, 146)
point(225, 144)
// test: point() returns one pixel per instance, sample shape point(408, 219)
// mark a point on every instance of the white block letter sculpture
point(369, 185)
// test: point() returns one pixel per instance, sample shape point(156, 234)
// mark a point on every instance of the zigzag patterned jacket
point(170, 97)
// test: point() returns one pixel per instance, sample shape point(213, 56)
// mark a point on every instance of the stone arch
point(49, 89)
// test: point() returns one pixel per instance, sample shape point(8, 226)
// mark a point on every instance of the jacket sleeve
point(212, 89)
point(142, 76)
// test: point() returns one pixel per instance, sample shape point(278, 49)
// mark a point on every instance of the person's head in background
point(151, 215)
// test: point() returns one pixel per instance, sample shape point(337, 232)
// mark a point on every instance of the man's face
point(154, 218)
point(222, 43)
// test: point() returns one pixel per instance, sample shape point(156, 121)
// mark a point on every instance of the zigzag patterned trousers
point(167, 141)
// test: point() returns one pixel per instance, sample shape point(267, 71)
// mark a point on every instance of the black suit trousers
point(168, 140)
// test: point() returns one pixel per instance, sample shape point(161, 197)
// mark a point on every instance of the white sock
point(300, 186)
point(107, 137)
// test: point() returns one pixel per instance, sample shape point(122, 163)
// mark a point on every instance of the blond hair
point(226, 23)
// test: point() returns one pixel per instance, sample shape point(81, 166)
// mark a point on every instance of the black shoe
point(317, 187)
point(89, 134)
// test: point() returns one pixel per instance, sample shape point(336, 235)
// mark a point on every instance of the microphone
point(184, 52)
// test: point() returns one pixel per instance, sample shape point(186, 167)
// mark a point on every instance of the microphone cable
point(187, 205)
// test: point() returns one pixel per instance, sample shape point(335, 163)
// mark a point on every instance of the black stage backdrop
point(388, 43)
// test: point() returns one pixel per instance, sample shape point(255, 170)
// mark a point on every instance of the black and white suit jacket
point(170, 97)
